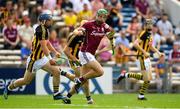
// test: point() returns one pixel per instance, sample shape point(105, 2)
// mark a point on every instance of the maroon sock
point(81, 79)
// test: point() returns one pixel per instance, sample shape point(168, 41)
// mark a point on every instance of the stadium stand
point(11, 58)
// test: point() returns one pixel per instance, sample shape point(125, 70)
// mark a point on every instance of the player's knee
point(56, 72)
point(147, 79)
point(100, 72)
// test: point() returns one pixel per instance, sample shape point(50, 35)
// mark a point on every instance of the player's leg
point(88, 61)
point(55, 72)
point(147, 76)
point(72, 76)
point(72, 90)
point(68, 75)
point(96, 70)
point(28, 77)
point(137, 76)
point(87, 92)
point(85, 86)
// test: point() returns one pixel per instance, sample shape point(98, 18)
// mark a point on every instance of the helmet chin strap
point(148, 29)
point(43, 22)
point(98, 22)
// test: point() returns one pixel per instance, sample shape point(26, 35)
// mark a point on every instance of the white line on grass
point(106, 107)
point(93, 108)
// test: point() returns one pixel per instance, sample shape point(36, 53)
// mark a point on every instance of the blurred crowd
point(19, 18)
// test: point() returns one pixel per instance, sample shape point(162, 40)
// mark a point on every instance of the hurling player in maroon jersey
point(93, 31)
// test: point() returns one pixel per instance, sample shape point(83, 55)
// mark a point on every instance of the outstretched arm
point(156, 51)
point(110, 36)
point(45, 48)
point(107, 48)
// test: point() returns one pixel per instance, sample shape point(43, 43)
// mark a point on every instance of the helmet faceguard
point(43, 18)
point(148, 24)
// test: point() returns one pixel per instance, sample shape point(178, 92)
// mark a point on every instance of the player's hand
point(97, 53)
point(161, 54)
point(52, 62)
point(58, 54)
point(146, 54)
point(77, 63)
point(110, 35)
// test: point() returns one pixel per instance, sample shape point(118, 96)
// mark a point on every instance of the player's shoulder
point(88, 24)
point(105, 25)
point(91, 22)
point(142, 33)
point(69, 36)
point(40, 28)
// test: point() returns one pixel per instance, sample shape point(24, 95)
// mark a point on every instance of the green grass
point(116, 101)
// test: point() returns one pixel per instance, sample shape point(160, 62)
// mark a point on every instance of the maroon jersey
point(11, 34)
point(94, 34)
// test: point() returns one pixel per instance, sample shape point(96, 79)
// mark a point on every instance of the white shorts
point(85, 57)
point(144, 64)
point(33, 66)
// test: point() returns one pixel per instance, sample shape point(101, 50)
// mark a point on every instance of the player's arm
point(45, 48)
point(77, 32)
point(43, 39)
point(46, 51)
point(107, 48)
point(110, 36)
point(156, 50)
point(157, 72)
point(122, 49)
point(67, 49)
point(52, 49)
point(69, 55)
point(137, 46)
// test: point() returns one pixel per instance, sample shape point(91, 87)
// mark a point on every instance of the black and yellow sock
point(69, 95)
point(63, 73)
point(56, 89)
point(135, 75)
point(11, 86)
point(88, 98)
point(144, 87)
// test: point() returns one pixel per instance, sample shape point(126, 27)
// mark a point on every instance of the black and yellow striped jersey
point(41, 33)
point(75, 45)
point(146, 40)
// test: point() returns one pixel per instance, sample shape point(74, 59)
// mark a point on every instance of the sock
point(63, 73)
point(88, 98)
point(81, 79)
point(135, 75)
point(11, 86)
point(55, 89)
point(69, 95)
point(144, 87)
point(140, 96)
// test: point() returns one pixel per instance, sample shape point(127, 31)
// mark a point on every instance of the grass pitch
point(114, 101)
